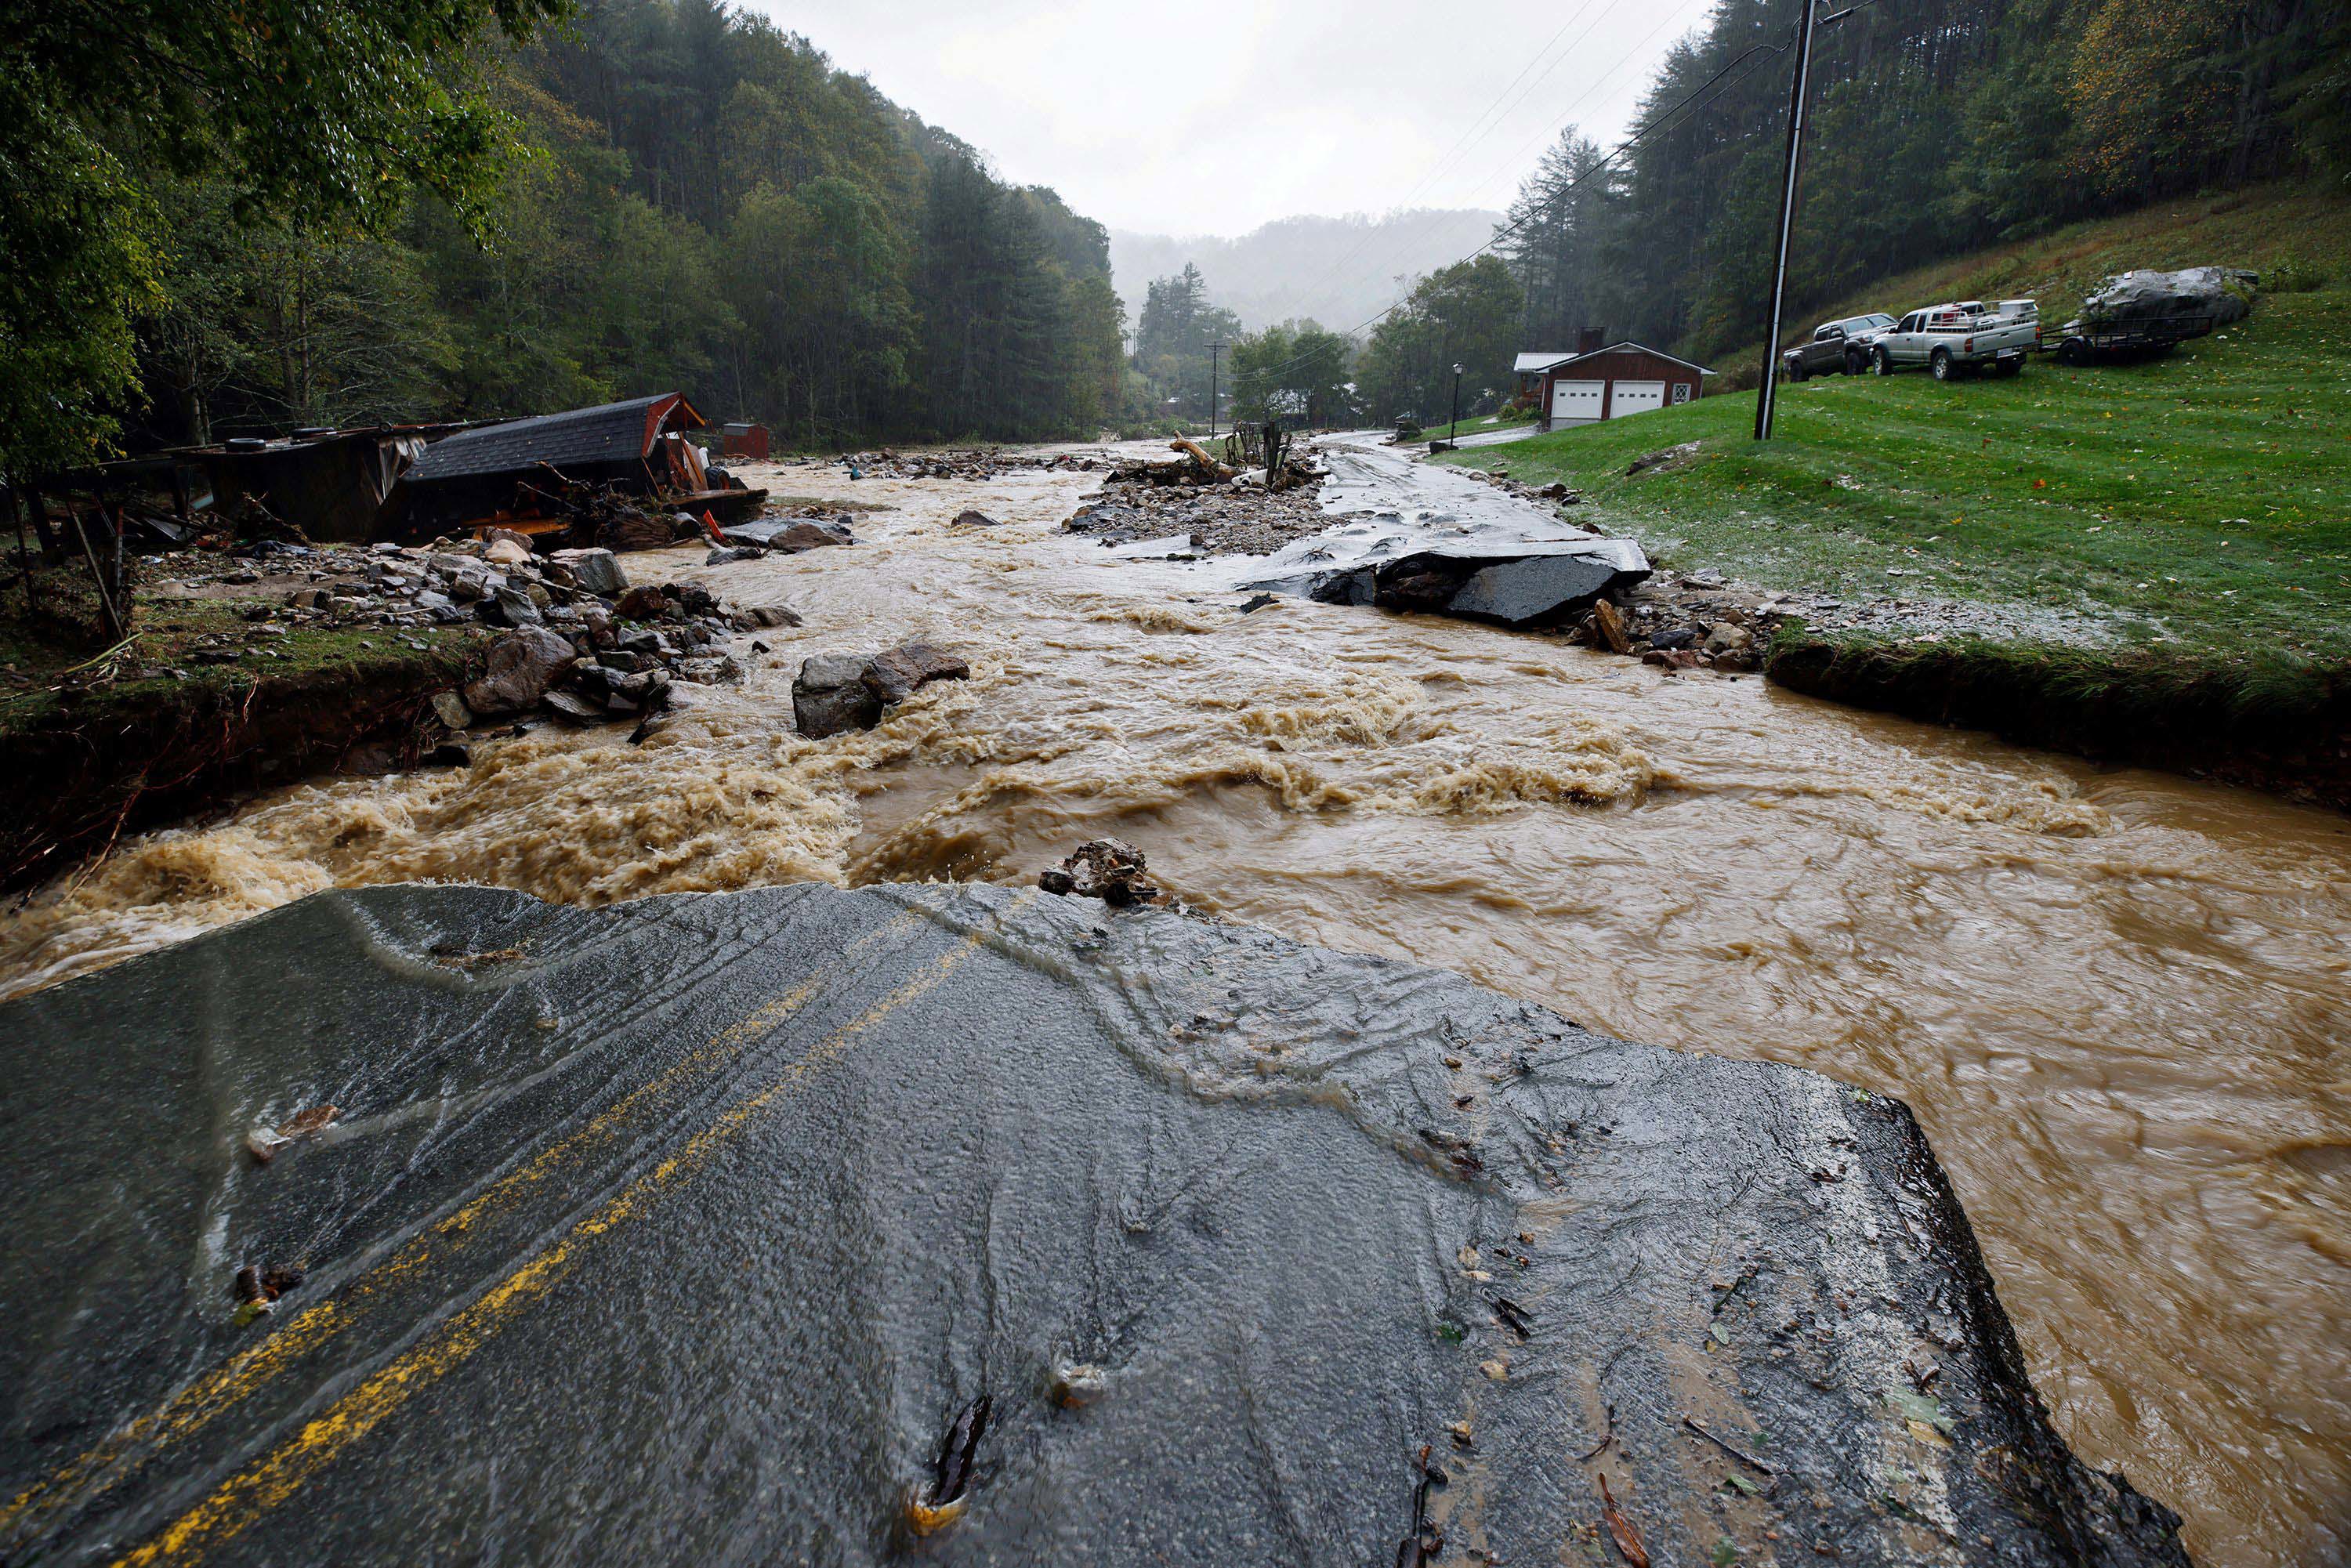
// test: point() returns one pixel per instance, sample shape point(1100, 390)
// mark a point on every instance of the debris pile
point(1216, 521)
point(1196, 467)
point(839, 692)
point(579, 641)
point(1109, 869)
point(967, 463)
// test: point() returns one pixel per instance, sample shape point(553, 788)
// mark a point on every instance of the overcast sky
point(1215, 120)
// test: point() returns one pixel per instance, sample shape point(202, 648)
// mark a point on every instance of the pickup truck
point(1835, 346)
point(1960, 337)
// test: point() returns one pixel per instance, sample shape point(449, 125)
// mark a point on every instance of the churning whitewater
point(2116, 1000)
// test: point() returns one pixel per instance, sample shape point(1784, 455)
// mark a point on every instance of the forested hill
point(1338, 270)
point(1939, 128)
point(715, 210)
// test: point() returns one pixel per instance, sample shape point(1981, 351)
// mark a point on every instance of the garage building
point(1599, 382)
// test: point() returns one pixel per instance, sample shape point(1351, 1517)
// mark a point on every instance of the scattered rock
point(640, 603)
point(971, 520)
point(765, 615)
point(1109, 869)
point(517, 607)
point(806, 536)
point(451, 710)
point(597, 571)
point(1610, 624)
point(450, 754)
point(507, 552)
point(522, 665)
point(577, 709)
point(730, 554)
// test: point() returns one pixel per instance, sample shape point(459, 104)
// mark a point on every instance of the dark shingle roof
point(610, 433)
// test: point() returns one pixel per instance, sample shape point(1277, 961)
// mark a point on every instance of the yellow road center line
point(271, 1480)
point(216, 1392)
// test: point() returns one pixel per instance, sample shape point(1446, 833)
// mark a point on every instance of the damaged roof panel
point(609, 432)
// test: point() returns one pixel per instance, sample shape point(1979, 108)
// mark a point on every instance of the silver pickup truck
point(1960, 337)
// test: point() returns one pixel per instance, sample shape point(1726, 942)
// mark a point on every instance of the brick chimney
point(1591, 340)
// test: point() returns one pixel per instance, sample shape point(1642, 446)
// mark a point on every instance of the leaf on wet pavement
point(1924, 1408)
point(302, 1124)
point(1628, 1539)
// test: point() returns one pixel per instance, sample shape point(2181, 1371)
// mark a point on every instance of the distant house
point(1608, 382)
point(490, 474)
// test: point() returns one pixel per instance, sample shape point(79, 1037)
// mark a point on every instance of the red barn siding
point(1682, 382)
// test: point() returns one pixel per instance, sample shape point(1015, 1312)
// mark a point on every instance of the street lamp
point(1453, 431)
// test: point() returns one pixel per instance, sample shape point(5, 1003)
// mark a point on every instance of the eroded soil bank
point(2116, 1000)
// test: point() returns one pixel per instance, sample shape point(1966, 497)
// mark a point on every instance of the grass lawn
point(1479, 424)
point(44, 681)
point(2176, 533)
point(2201, 501)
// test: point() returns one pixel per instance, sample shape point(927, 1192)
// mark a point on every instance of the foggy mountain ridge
point(1338, 270)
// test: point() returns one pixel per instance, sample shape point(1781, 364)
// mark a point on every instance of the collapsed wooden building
point(514, 475)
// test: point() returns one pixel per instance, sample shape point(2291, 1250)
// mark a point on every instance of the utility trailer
point(2084, 343)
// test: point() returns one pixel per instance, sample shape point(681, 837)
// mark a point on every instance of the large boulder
point(784, 1226)
point(2221, 294)
point(830, 696)
point(522, 665)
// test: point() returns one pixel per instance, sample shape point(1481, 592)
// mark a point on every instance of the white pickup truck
point(1953, 340)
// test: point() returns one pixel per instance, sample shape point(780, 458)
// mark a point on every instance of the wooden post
point(113, 623)
point(24, 551)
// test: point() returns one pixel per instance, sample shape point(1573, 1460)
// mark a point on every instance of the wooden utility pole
point(1214, 350)
point(1766, 395)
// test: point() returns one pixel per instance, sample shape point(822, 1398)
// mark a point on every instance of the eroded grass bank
point(102, 741)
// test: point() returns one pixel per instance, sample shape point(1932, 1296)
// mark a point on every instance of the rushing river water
point(2119, 1002)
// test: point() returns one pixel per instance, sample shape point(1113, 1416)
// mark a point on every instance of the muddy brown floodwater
point(2118, 1001)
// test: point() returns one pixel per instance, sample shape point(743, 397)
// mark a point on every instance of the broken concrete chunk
point(1538, 591)
point(522, 665)
point(893, 676)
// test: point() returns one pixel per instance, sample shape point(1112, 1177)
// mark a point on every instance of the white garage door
point(1636, 397)
point(1576, 403)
